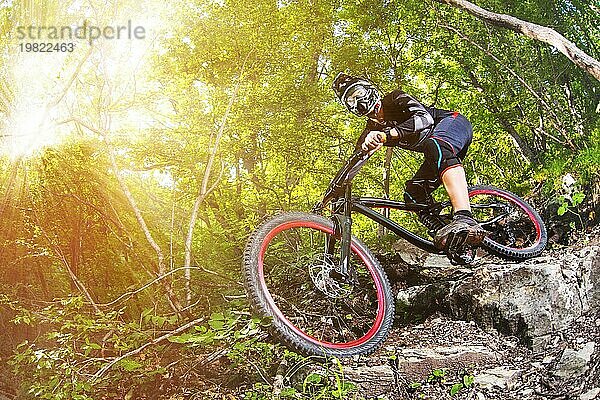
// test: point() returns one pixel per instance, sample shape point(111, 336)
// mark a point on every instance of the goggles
point(360, 99)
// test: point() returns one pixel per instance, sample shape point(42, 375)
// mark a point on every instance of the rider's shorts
point(443, 150)
point(446, 147)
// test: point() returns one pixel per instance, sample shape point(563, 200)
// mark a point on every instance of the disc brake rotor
point(512, 216)
point(322, 271)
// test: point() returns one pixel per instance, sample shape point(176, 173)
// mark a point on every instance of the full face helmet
point(358, 95)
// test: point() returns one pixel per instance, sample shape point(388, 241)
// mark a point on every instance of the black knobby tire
point(282, 267)
point(521, 235)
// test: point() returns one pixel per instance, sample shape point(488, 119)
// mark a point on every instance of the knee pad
point(440, 155)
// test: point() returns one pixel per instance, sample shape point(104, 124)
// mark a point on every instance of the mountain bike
point(326, 292)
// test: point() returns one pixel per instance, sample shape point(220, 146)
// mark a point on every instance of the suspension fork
point(342, 232)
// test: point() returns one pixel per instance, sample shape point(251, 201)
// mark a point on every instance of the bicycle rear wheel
point(290, 277)
point(516, 230)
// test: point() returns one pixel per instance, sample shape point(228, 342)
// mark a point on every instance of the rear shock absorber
point(433, 222)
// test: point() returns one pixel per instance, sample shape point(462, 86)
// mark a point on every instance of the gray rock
point(531, 299)
point(590, 395)
point(416, 303)
point(437, 261)
point(442, 352)
point(500, 377)
point(574, 363)
point(367, 374)
point(409, 253)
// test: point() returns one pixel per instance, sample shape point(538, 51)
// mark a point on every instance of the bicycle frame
point(365, 205)
point(344, 206)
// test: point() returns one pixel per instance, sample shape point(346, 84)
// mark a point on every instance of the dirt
point(502, 368)
point(425, 360)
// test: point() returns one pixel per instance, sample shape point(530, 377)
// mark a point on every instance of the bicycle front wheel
point(292, 275)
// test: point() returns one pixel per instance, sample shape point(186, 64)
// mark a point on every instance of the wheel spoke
point(305, 289)
point(515, 230)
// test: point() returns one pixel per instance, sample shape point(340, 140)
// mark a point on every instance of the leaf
point(146, 311)
point(185, 338)
point(456, 388)
point(288, 392)
point(468, 380)
point(415, 385)
point(130, 365)
point(217, 317)
point(216, 325)
point(313, 378)
point(578, 198)
point(158, 321)
point(562, 209)
point(201, 329)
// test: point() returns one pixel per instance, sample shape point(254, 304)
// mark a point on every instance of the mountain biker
point(443, 136)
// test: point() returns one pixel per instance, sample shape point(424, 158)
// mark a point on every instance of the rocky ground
point(498, 330)
point(426, 360)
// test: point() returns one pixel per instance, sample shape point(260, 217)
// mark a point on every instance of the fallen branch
point(533, 31)
point(146, 286)
point(111, 364)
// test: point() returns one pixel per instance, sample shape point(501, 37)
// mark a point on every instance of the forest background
point(133, 170)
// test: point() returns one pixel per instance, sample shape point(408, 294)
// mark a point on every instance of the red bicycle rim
point(380, 296)
point(532, 218)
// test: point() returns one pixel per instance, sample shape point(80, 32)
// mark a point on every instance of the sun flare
point(30, 122)
point(51, 90)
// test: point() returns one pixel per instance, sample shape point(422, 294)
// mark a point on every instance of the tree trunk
point(171, 297)
point(534, 31)
point(205, 190)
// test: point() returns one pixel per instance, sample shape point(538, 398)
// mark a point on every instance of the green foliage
point(68, 224)
point(440, 377)
point(234, 328)
point(437, 375)
point(566, 202)
point(467, 382)
point(326, 384)
point(58, 365)
point(77, 344)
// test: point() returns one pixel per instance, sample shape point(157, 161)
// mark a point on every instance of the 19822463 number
point(47, 47)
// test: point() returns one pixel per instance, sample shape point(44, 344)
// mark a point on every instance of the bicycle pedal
point(456, 241)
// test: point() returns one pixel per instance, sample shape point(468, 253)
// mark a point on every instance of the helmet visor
point(356, 95)
point(361, 98)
